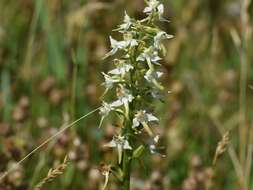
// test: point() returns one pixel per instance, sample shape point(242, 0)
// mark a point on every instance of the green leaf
point(117, 172)
point(138, 152)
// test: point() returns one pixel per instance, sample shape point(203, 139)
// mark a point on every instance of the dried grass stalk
point(221, 147)
point(53, 173)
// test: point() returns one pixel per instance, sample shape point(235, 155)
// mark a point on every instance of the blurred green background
point(50, 74)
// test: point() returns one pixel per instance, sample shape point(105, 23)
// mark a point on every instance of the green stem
point(127, 154)
point(126, 170)
point(73, 87)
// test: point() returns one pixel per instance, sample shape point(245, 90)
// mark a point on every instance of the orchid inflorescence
point(134, 81)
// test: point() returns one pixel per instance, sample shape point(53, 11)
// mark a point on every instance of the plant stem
point(243, 128)
point(126, 170)
point(73, 88)
point(127, 155)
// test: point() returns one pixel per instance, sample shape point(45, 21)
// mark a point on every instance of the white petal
point(168, 36)
point(105, 109)
point(159, 74)
point(109, 81)
point(156, 138)
point(147, 10)
point(116, 71)
point(141, 57)
point(133, 43)
point(135, 122)
point(147, 77)
point(121, 70)
point(156, 58)
point(127, 146)
point(125, 100)
point(119, 147)
point(152, 118)
point(117, 103)
point(110, 53)
point(106, 180)
point(128, 67)
point(152, 149)
point(126, 17)
point(113, 51)
point(160, 9)
point(111, 144)
point(113, 42)
point(130, 98)
point(122, 44)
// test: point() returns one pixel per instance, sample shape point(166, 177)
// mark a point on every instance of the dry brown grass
point(53, 173)
point(222, 147)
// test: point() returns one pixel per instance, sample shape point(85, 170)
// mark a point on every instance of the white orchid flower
point(159, 37)
point(150, 55)
point(126, 23)
point(109, 81)
point(104, 111)
point(160, 11)
point(115, 45)
point(128, 38)
point(121, 68)
point(124, 97)
point(121, 143)
point(132, 42)
point(152, 5)
point(142, 117)
point(152, 76)
point(118, 45)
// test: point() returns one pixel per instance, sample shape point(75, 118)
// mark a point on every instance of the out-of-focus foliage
point(50, 74)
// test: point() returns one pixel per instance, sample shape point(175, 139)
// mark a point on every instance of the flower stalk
point(127, 161)
point(134, 82)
